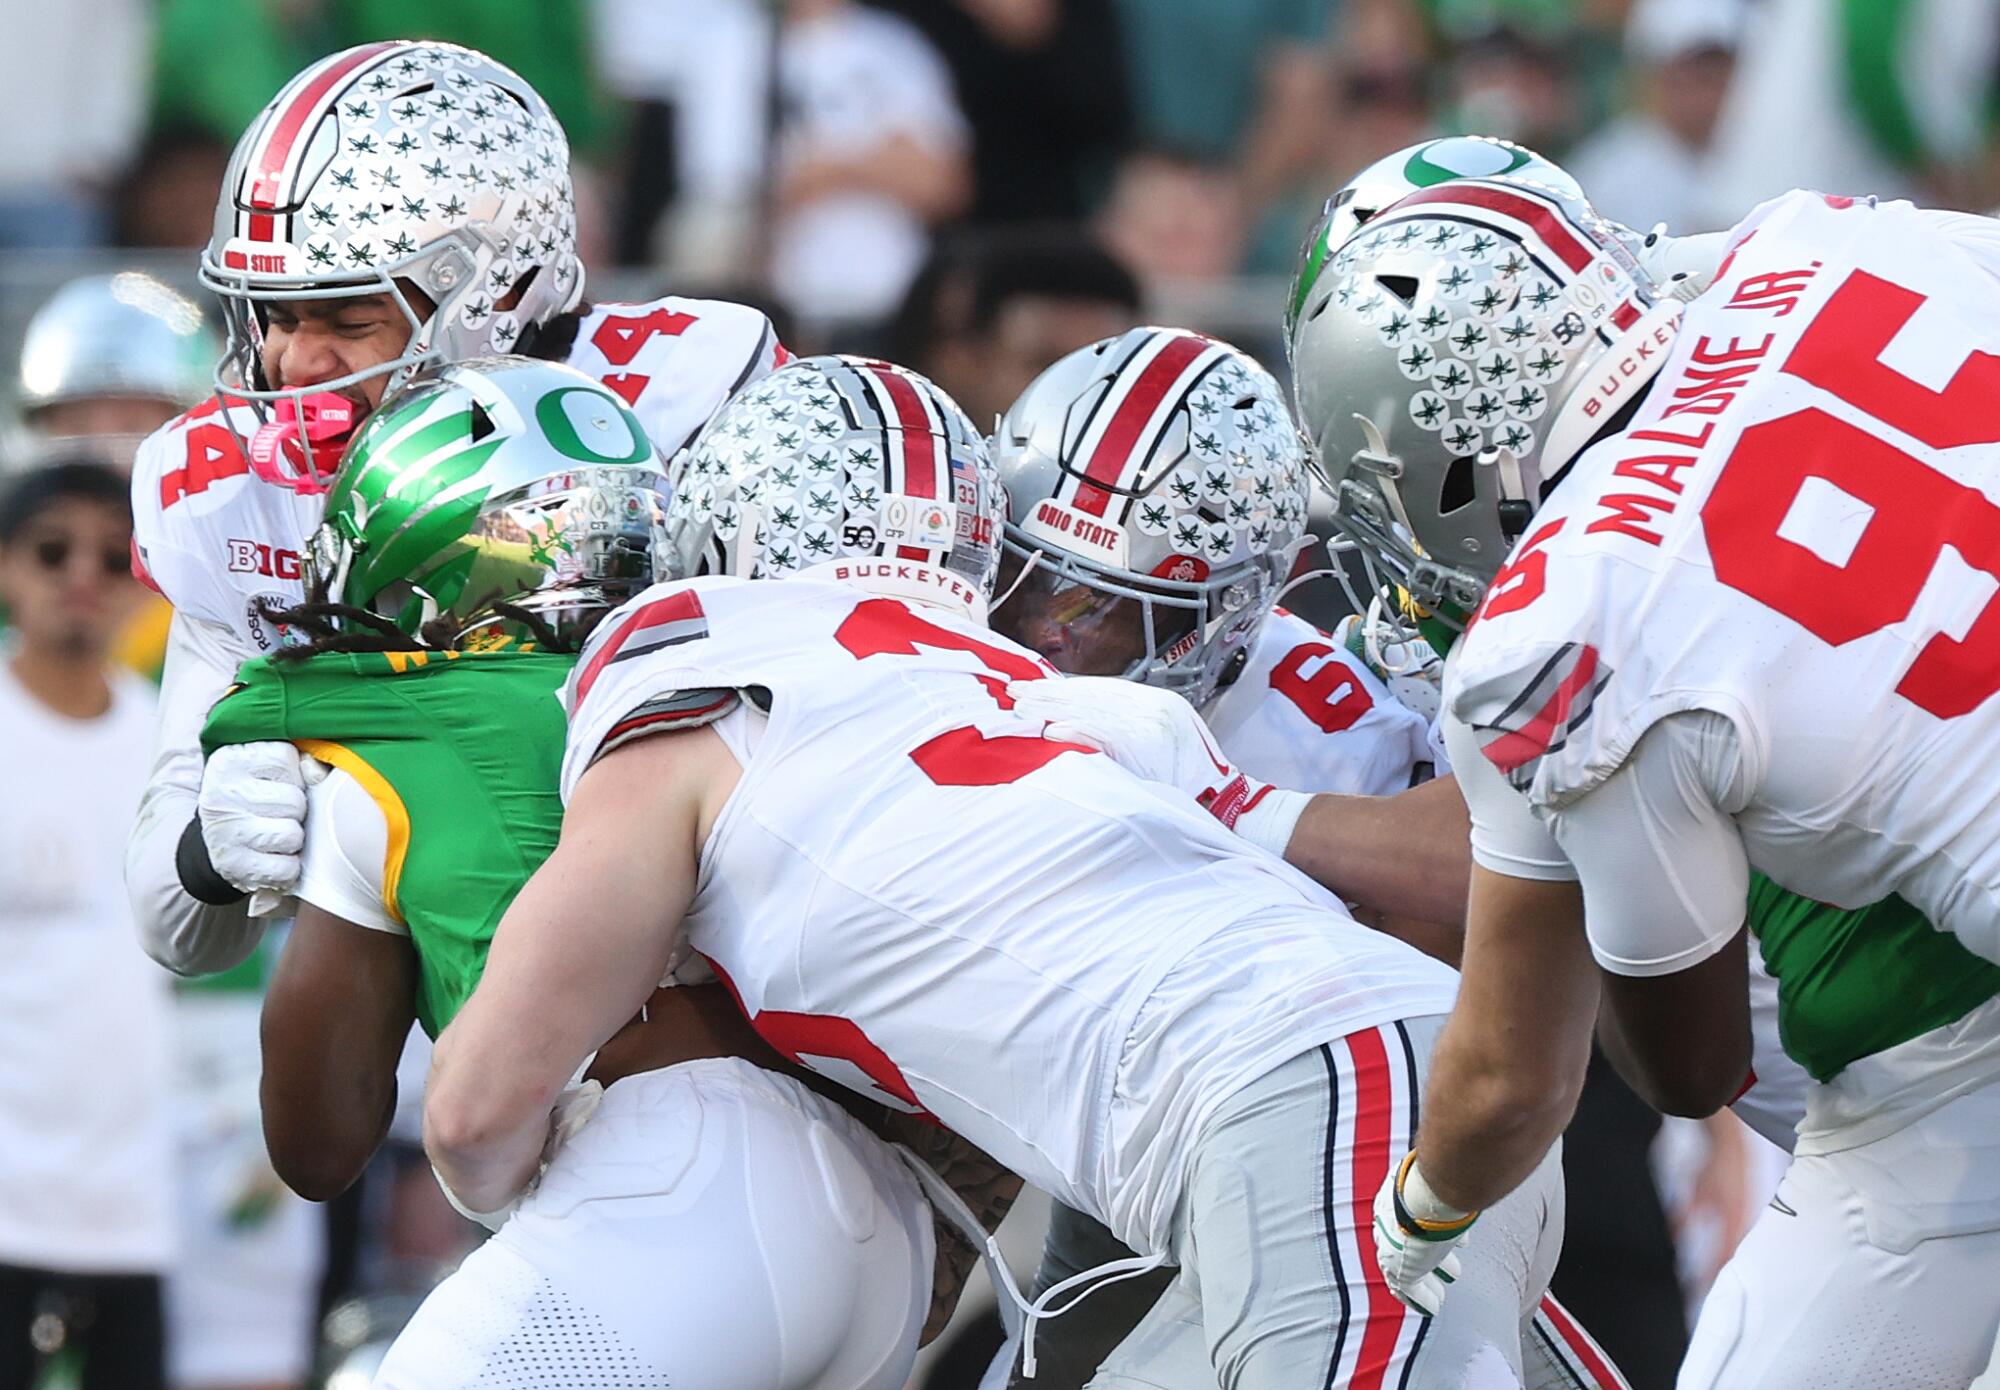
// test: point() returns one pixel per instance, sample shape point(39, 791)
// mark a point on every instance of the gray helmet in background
point(111, 336)
point(1453, 357)
point(1156, 491)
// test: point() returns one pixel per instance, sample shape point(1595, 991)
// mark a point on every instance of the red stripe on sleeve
point(1531, 740)
point(673, 608)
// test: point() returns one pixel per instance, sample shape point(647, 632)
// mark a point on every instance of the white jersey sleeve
point(180, 932)
point(347, 847)
point(1662, 867)
point(1308, 714)
point(674, 360)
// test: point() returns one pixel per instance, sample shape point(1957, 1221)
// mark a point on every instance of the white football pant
point(713, 1227)
point(1278, 1286)
point(1872, 1266)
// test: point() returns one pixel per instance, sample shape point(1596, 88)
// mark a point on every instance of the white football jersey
point(917, 895)
point(1799, 532)
point(1306, 713)
point(219, 542)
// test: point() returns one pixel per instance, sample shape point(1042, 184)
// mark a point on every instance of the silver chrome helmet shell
point(1156, 474)
point(1443, 369)
point(830, 464)
point(116, 335)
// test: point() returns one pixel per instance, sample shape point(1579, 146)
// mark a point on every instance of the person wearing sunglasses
point(86, 1164)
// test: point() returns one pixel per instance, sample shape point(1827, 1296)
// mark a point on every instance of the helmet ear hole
point(1404, 287)
point(1458, 489)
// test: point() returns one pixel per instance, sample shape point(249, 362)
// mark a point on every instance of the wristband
point(1268, 818)
point(197, 874)
point(1421, 1212)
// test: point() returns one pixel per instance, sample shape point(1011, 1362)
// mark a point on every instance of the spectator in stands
point(1238, 91)
point(75, 79)
point(1515, 83)
point(86, 1167)
point(696, 81)
point(988, 312)
point(1172, 216)
point(1647, 166)
point(1042, 84)
point(871, 154)
point(1889, 97)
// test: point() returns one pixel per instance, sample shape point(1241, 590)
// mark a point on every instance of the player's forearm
point(1406, 855)
point(179, 931)
point(1510, 1060)
point(1486, 1126)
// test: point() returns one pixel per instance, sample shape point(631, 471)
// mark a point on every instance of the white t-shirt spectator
point(850, 81)
point(86, 1160)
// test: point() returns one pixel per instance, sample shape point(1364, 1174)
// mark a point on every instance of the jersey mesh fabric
point(466, 746)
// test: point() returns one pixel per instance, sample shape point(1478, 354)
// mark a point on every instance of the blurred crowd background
point(972, 187)
point(823, 155)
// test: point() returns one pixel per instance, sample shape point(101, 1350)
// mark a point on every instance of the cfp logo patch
point(254, 557)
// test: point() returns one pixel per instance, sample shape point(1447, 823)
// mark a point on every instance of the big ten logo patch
point(254, 557)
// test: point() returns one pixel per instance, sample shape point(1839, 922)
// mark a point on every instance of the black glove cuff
point(198, 875)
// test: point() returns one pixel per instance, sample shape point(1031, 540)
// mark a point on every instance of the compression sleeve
point(347, 847)
point(185, 935)
point(1665, 877)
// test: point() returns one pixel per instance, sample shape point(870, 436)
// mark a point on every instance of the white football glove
point(1417, 1238)
point(1154, 734)
point(253, 814)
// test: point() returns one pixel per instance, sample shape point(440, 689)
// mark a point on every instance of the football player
point(1128, 554)
point(717, 1223)
point(397, 205)
point(819, 788)
point(1718, 513)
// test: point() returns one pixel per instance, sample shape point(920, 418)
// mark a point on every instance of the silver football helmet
point(392, 165)
point(1452, 358)
point(1422, 165)
point(105, 336)
point(843, 468)
point(1157, 495)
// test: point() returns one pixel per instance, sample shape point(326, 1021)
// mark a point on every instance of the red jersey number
point(621, 336)
point(1915, 512)
point(1332, 697)
point(962, 757)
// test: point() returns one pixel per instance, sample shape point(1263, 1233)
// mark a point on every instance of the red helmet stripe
point(1556, 233)
point(285, 133)
point(923, 462)
point(1159, 378)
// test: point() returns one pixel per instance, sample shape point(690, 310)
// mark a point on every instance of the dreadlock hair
point(342, 627)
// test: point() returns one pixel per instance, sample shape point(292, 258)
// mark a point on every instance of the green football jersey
point(461, 751)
